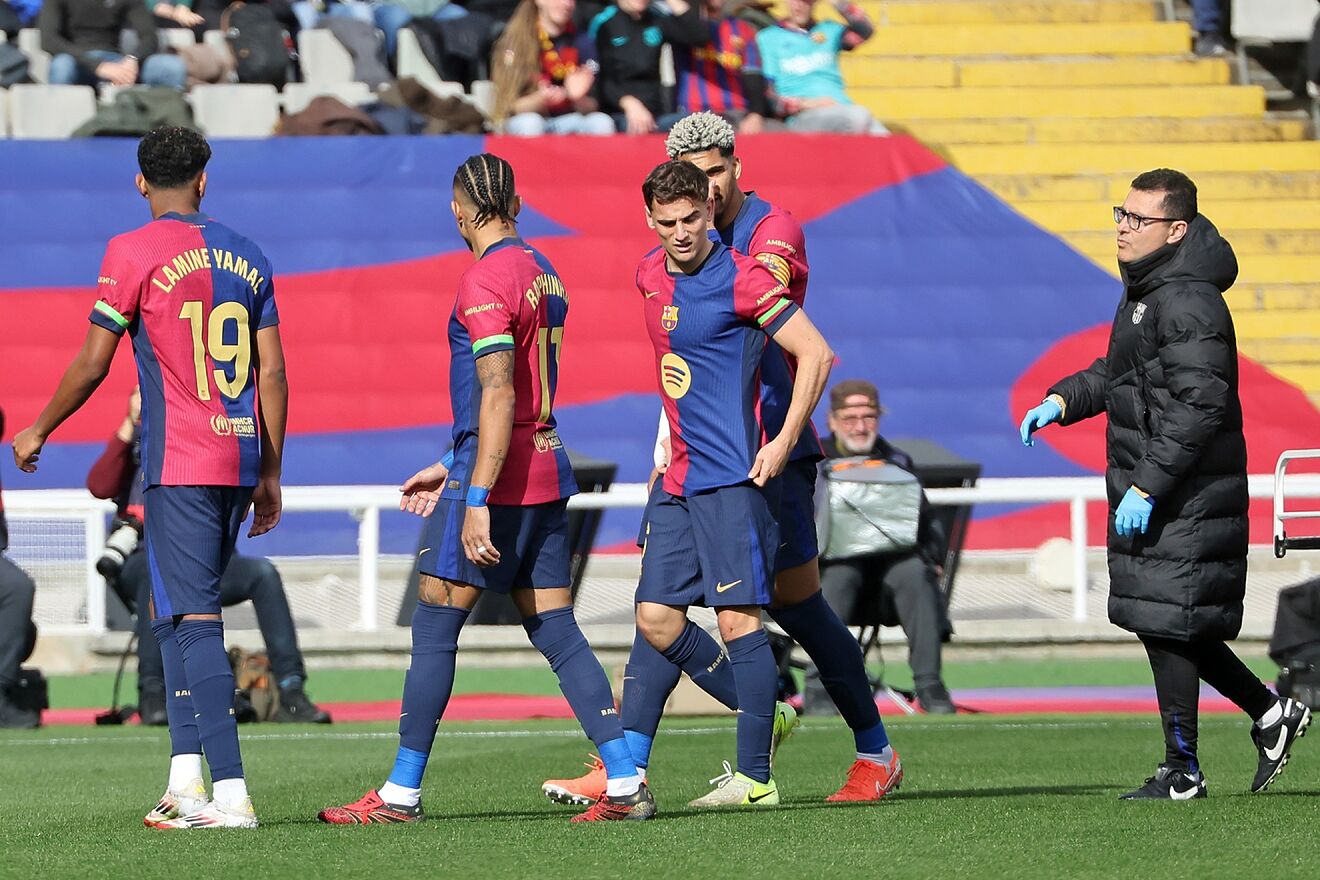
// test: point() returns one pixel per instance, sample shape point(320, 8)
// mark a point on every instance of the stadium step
point(1033, 103)
point(905, 12)
point(1246, 242)
point(1121, 38)
point(1212, 186)
point(862, 71)
point(1277, 324)
point(1257, 214)
point(1036, 159)
point(1282, 351)
point(1253, 269)
point(1070, 131)
point(1275, 297)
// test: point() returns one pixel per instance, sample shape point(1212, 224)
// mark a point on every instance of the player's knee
point(796, 585)
point(267, 576)
point(736, 623)
point(660, 625)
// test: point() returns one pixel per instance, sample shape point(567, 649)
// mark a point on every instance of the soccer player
point(198, 302)
point(711, 537)
point(499, 500)
point(756, 228)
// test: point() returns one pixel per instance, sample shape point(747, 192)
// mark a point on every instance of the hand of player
point(267, 504)
point(421, 491)
point(770, 462)
point(27, 449)
point(477, 545)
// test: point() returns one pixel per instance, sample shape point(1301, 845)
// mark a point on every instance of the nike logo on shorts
point(721, 588)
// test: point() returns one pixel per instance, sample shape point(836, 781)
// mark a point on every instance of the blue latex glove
point(1047, 413)
point(1133, 514)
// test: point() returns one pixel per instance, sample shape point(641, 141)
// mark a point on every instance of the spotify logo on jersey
point(675, 376)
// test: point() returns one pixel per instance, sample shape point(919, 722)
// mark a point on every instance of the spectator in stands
point(18, 633)
point(83, 38)
point(723, 75)
point(544, 73)
point(800, 60)
point(16, 15)
point(629, 37)
point(908, 583)
point(310, 12)
point(393, 16)
point(175, 13)
point(1210, 21)
point(116, 475)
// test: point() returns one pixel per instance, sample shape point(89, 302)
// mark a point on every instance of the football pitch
point(1026, 796)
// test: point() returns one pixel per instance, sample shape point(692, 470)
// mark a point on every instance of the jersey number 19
point(238, 352)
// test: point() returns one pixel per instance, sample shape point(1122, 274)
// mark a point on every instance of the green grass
point(983, 797)
point(348, 685)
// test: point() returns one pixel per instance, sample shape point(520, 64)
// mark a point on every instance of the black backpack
point(256, 40)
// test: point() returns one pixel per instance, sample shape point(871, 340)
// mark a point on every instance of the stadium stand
point(238, 110)
point(44, 112)
point(298, 95)
point(323, 59)
point(1054, 105)
point(29, 41)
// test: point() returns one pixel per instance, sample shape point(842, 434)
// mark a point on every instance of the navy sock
point(648, 680)
point(557, 636)
point(757, 678)
point(211, 683)
point(700, 656)
point(813, 624)
point(178, 700)
point(428, 684)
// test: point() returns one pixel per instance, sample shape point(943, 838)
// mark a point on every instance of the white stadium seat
point(298, 95)
point(241, 110)
point(323, 58)
point(29, 42)
point(43, 112)
point(4, 113)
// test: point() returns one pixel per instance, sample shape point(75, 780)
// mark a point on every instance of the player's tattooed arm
point(495, 420)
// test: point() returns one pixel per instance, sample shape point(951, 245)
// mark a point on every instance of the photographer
point(18, 633)
point(908, 582)
point(117, 475)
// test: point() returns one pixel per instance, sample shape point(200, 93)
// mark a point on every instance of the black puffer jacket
point(1169, 385)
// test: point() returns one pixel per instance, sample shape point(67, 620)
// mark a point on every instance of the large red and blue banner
point(958, 308)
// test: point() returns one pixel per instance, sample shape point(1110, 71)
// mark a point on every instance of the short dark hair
point(172, 156)
point(673, 181)
point(1179, 191)
point(488, 182)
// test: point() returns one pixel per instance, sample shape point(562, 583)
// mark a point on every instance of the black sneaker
point(151, 708)
point(935, 700)
point(1212, 46)
point(1169, 784)
point(16, 717)
point(296, 708)
point(1276, 741)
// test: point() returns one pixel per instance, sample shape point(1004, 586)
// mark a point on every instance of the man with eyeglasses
point(1176, 475)
point(909, 582)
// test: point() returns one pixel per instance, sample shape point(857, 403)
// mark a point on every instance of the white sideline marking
point(575, 734)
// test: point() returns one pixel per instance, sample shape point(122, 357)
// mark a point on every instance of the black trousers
point(1179, 669)
point(247, 578)
point(909, 591)
point(17, 592)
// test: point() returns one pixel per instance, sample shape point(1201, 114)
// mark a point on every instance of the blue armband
point(476, 496)
point(448, 461)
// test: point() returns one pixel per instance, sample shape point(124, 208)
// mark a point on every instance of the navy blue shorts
point(715, 549)
point(190, 533)
point(532, 540)
point(792, 497)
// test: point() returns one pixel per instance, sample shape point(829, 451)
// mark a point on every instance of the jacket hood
point(1203, 255)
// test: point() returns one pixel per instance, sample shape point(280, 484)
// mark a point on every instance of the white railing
point(364, 503)
point(1282, 542)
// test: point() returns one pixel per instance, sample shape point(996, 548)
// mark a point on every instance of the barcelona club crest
point(1138, 313)
point(669, 318)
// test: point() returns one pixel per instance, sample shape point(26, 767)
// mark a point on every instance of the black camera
point(125, 533)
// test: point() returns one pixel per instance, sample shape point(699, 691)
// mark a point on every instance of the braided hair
point(488, 182)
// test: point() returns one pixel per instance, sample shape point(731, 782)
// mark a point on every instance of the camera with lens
point(125, 532)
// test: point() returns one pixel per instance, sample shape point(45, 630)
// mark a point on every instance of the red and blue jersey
point(510, 299)
point(710, 77)
point(191, 293)
point(709, 331)
point(774, 237)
